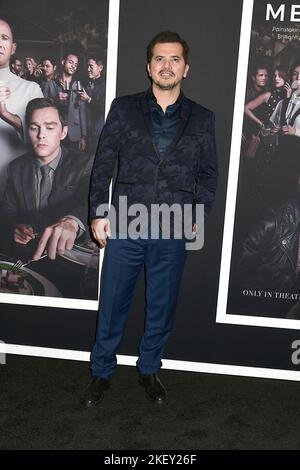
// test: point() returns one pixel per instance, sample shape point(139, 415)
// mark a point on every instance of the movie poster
point(260, 272)
point(63, 51)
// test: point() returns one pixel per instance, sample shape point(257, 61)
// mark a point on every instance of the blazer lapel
point(28, 184)
point(185, 115)
point(148, 121)
point(61, 176)
point(147, 113)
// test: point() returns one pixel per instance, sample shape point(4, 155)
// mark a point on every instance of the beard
point(165, 85)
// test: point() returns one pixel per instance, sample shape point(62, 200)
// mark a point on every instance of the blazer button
point(284, 242)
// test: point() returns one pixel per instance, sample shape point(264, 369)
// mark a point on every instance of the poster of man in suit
point(46, 249)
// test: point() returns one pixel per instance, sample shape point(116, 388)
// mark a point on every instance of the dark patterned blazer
point(186, 175)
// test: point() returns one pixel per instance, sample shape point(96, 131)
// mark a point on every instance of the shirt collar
point(152, 99)
point(53, 164)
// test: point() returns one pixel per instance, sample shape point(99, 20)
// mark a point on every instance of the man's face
point(7, 46)
point(45, 133)
point(94, 70)
point(17, 66)
point(70, 64)
point(296, 77)
point(167, 66)
point(49, 69)
point(261, 78)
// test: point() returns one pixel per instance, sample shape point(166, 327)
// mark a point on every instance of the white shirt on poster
point(292, 108)
point(11, 142)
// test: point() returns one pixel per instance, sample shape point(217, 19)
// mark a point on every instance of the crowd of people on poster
point(51, 115)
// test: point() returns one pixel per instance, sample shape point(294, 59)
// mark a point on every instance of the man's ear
point(148, 70)
point(186, 71)
point(64, 132)
point(14, 48)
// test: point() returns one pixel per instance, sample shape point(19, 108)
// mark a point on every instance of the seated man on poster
point(47, 188)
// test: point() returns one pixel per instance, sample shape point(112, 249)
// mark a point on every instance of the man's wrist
point(72, 222)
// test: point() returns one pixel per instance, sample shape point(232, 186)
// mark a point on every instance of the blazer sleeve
point(83, 118)
point(207, 171)
point(105, 160)
point(79, 208)
point(9, 208)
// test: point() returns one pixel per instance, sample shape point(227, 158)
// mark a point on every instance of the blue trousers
point(123, 262)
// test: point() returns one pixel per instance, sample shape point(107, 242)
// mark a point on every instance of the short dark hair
point(70, 53)
point(295, 64)
point(13, 59)
point(11, 27)
point(256, 67)
point(51, 59)
point(167, 36)
point(41, 103)
point(97, 59)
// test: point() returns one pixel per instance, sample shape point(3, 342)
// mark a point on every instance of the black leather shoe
point(155, 391)
point(94, 393)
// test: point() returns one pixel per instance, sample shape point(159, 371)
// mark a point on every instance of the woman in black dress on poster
point(259, 165)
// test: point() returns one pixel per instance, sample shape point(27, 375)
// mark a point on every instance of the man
point(15, 93)
point(47, 188)
point(16, 66)
point(165, 147)
point(49, 69)
point(259, 81)
point(94, 96)
point(64, 91)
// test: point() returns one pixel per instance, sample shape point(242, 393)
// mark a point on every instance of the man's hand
point(82, 144)
point(83, 96)
point(101, 230)
point(62, 96)
point(288, 89)
point(288, 130)
point(4, 95)
point(7, 116)
point(57, 238)
point(23, 234)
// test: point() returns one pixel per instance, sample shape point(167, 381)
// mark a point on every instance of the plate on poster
point(26, 282)
point(81, 254)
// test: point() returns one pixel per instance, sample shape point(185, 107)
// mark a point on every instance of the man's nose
point(167, 64)
point(41, 134)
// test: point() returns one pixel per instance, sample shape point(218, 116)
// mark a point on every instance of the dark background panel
point(212, 29)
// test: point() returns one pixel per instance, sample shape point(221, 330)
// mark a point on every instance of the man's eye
point(49, 128)
point(33, 128)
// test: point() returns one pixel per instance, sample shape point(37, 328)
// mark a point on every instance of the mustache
point(166, 71)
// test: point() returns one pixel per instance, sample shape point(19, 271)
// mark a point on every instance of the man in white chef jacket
point(15, 93)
